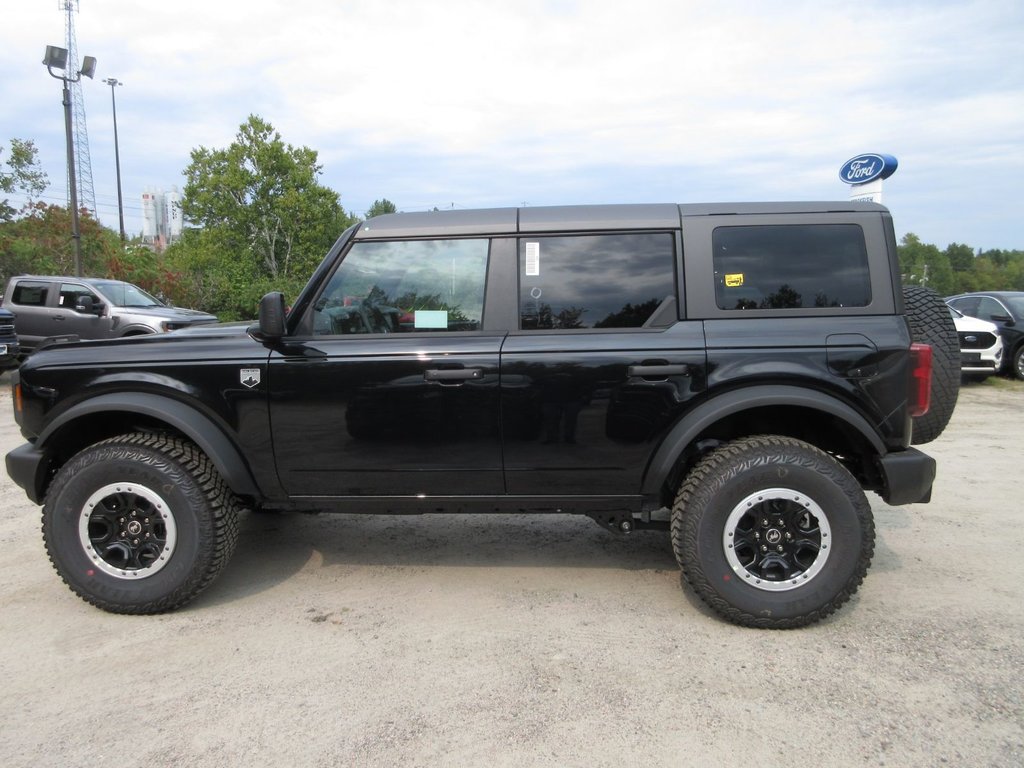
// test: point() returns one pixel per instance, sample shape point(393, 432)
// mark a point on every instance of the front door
point(392, 389)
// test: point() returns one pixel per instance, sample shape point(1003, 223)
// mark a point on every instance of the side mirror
point(272, 314)
point(1004, 319)
point(84, 305)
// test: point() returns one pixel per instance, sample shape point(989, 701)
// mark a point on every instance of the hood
point(172, 313)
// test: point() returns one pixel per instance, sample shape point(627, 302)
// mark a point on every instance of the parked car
point(1006, 310)
point(10, 348)
point(981, 346)
point(737, 375)
point(89, 308)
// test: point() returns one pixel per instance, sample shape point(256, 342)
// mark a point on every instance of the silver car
point(89, 308)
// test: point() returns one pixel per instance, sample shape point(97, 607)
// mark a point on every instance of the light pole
point(112, 82)
point(57, 58)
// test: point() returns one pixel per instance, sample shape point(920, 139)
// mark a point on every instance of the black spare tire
point(931, 323)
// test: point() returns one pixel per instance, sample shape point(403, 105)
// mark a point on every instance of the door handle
point(452, 374)
point(646, 371)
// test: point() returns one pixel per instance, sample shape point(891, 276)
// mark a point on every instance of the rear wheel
point(140, 523)
point(771, 532)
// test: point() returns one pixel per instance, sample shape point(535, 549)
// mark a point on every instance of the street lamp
point(57, 58)
point(112, 82)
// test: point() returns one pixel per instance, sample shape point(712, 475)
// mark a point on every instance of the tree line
point(258, 219)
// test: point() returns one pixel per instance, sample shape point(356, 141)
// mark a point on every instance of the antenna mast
point(83, 163)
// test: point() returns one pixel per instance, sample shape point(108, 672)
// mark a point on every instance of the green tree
point(40, 242)
point(925, 264)
point(260, 202)
point(24, 176)
point(380, 207)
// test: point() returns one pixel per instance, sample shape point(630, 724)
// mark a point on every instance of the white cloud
point(733, 99)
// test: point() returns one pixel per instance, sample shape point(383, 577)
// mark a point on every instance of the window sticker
point(431, 318)
point(533, 259)
point(734, 281)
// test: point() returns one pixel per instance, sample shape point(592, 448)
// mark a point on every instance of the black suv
point(737, 374)
point(10, 346)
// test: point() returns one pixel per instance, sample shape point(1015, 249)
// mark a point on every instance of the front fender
point(716, 408)
point(199, 428)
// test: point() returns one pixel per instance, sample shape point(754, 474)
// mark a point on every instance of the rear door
point(599, 365)
point(29, 303)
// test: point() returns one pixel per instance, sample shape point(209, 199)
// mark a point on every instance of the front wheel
point(1018, 362)
point(771, 532)
point(140, 523)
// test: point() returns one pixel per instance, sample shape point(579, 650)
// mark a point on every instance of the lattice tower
point(83, 163)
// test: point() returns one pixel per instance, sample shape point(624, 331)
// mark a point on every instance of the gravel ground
point(503, 640)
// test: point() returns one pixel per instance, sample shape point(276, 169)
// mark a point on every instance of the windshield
point(127, 295)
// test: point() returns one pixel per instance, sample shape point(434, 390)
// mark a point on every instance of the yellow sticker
point(734, 281)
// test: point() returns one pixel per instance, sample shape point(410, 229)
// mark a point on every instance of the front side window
point(405, 286)
point(71, 295)
point(597, 281)
point(791, 266)
point(989, 308)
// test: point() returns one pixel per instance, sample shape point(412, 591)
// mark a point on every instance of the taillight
point(920, 379)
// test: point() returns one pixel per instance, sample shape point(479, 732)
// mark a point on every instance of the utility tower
point(83, 163)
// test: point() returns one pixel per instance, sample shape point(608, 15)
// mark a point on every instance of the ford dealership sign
point(867, 167)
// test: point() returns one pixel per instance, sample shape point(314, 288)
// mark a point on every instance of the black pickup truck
point(736, 375)
point(10, 347)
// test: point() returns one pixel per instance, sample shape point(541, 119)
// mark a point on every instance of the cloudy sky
point(472, 104)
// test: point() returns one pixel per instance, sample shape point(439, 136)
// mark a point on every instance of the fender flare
point(200, 429)
point(720, 406)
point(135, 329)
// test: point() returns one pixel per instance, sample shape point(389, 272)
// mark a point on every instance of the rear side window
point(29, 294)
point(791, 266)
point(597, 281)
point(405, 286)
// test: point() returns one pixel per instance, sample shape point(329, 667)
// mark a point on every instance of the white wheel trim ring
point(745, 507)
point(162, 508)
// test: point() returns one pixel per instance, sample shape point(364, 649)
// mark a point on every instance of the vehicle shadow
point(273, 548)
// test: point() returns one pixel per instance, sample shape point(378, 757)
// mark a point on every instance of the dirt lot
point(499, 640)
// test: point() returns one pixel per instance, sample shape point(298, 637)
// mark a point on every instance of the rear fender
point(717, 408)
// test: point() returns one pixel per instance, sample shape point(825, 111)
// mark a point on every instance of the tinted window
point(395, 287)
point(596, 281)
point(989, 308)
point(791, 267)
point(71, 295)
point(29, 294)
point(968, 305)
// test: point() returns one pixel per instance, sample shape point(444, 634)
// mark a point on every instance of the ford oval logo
point(868, 167)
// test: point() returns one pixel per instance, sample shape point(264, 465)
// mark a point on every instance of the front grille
point(7, 328)
point(974, 340)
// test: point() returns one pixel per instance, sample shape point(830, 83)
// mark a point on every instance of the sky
point(469, 104)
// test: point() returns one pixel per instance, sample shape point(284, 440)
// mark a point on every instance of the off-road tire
point(931, 323)
point(1017, 363)
point(102, 550)
point(789, 482)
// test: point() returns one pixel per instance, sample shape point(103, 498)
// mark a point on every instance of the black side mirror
point(84, 305)
point(1005, 319)
point(272, 315)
